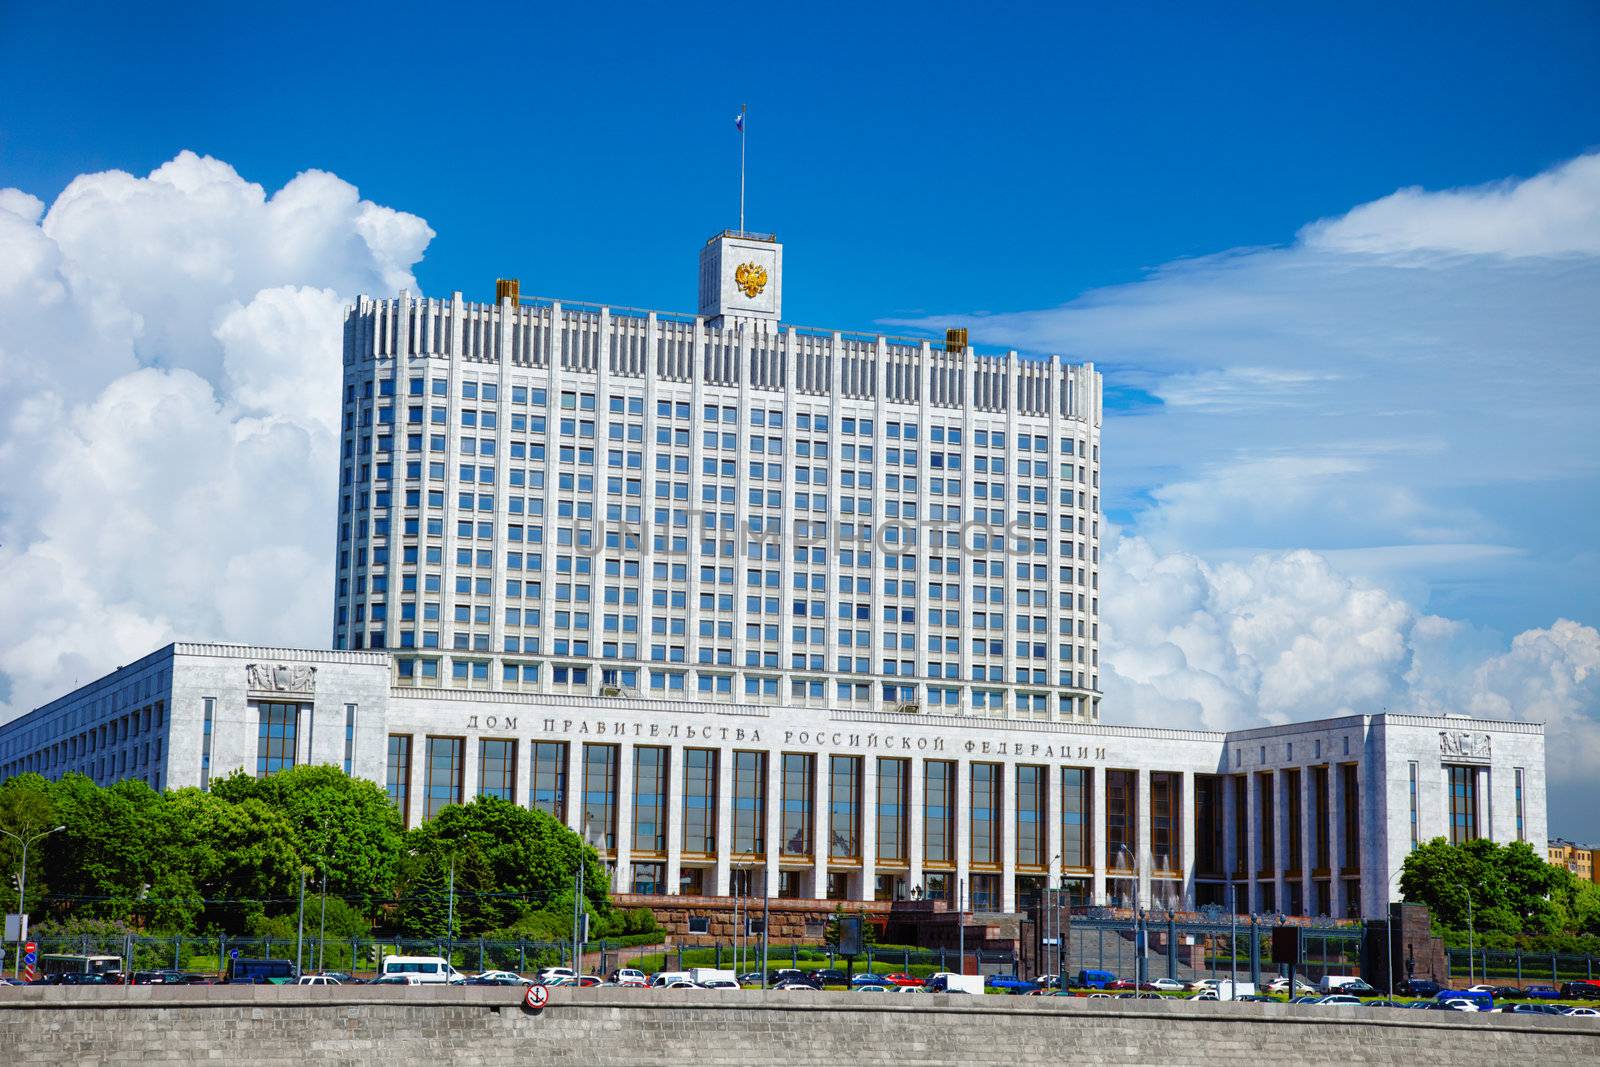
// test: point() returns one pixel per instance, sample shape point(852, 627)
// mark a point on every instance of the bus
point(260, 972)
point(65, 963)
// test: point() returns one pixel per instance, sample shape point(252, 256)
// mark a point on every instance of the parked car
point(1460, 1004)
point(1281, 985)
point(1581, 1013)
point(909, 989)
point(1119, 983)
point(1163, 985)
point(630, 976)
point(901, 979)
point(1009, 983)
point(345, 977)
point(1537, 1009)
point(1480, 999)
point(1204, 994)
point(316, 979)
point(1418, 987)
point(75, 978)
point(493, 979)
point(868, 978)
point(1580, 990)
point(505, 977)
point(1382, 1003)
point(1541, 992)
point(719, 983)
point(1337, 999)
point(1201, 984)
point(873, 988)
point(828, 976)
point(1093, 979)
point(796, 987)
point(396, 979)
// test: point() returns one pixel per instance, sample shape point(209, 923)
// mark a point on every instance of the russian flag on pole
point(738, 122)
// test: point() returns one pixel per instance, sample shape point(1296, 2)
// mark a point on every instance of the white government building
point(764, 608)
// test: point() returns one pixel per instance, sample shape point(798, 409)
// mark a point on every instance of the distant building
point(1581, 860)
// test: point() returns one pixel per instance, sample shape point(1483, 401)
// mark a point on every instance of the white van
point(663, 979)
point(428, 969)
point(1333, 983)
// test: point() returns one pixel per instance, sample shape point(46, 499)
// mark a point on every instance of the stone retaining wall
point(249, 1025)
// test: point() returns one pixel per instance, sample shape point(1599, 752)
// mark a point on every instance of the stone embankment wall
point(247, 1025)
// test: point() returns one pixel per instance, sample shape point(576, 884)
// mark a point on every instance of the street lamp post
point(1233, 940)
point(961, 928)
point(22, 883)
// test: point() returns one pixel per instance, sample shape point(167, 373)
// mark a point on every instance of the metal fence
point(1519, 967)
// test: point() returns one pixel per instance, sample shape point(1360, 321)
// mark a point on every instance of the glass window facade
point(750, 803)
point(1031, 816)
point(548, 783)
point(210, 705)
point(1350, 807)
point(985, 815)
point(278, 738)
point(398, 777)
point(939, 813)
point(799, 796)
point(1463, 803)
point(497, 769)
point(442, 784)
point(1522, 834)
point(894, 785)
point(1319, 821)
point(1122, 820)
point(1209, 825)
point(1166, 831)
point(650, 799)
point(844, 807)
point(1077, 819)
point(1416, 827)
point(1266, 828)
point(700, 801)
point(1291, 822)
point(600, 796)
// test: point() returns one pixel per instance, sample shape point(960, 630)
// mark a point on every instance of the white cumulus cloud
point(170, 358)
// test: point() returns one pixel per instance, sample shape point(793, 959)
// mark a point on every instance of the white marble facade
point(149, 720)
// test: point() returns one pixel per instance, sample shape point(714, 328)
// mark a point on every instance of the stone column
point(419, 780)
point(724, 817)
point(575, 786)
point(1097, 835)
point(1141, 836)
point(469, 768)
point(773, 836)
point(820, 838)
point(963, 828)
point(624, 808)
point(869, 827)
point(1188, 827)
point(1252, 843)
point(674, 818)
point(1052, 823)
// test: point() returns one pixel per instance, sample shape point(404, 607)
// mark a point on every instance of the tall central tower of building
point(540, 496)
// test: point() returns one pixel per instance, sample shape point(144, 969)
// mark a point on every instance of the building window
point(844, 807)
point(1463, 804)
point(650, 799)
point(600, 796)
point(1122, 816)
point(549, 781)
point(985, 815)
point(276, 742)
point(1077, 819)
point(1521, 832)
point(1208, 832)
point(205, 742)
point(650, 879)
point(894, 781)
point(1166, 799)
point(1416, 829)
point(497, 769)
point(443, 785)
point(1266, 829)
point(750, 803)
point(1031, 817)
point(939, 813)
point(799, 787)
point(1291, 812)
point(397, 780)
point(700, 801)
point(349, 737)
point(1349, 775)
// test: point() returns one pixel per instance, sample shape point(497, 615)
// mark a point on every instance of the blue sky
point(1337, 262)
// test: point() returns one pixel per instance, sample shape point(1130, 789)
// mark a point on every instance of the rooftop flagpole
point(740, 123)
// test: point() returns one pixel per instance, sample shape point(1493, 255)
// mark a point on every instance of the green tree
point(528, 861)
point(241, 857)
point(1513, 891)
point(343, 825)
point(26, 811)
point(115, 845)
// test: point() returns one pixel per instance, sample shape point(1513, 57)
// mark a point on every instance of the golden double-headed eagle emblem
point(751, 277)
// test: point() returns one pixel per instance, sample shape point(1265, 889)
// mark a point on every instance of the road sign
point(233, 953)
point(30, 956)
point(536, 998)
point(16, 927)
